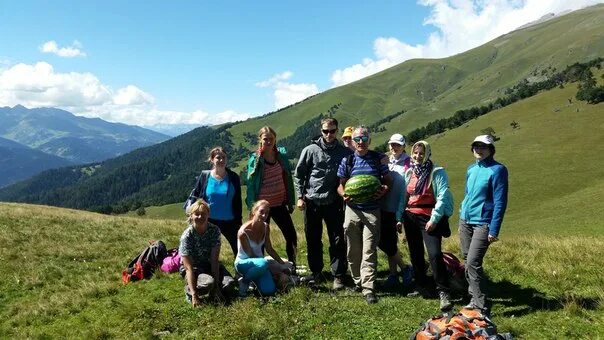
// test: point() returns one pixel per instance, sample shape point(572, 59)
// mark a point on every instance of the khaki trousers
point(362, 231)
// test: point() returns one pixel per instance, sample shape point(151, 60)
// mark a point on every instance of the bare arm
point(191, 279)
point(268, 246)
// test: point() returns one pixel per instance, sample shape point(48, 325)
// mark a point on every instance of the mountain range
point(402, 99)
point(51, 138)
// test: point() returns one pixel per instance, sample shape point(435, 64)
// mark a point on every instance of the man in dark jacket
point(316, 182)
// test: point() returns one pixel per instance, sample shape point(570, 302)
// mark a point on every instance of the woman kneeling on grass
point(199, 249)
point(250, 262)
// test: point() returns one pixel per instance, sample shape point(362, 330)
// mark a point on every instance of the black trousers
point(284, 221)
point(333, 215)
point(417, 236)
point(229, 230)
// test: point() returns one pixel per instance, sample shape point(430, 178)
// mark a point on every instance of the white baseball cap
point(485, 139)
point(397, 138)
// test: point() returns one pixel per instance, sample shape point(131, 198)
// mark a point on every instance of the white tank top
point(256, 246)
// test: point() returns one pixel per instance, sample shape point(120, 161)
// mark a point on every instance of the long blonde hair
point(265, 130)
point(257, 205)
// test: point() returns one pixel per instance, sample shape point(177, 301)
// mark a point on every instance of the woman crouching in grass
point(199, 249)
point(253, 236)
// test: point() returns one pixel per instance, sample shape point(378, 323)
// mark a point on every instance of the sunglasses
point(326, 132)
point(479, 146)
point(359, 139)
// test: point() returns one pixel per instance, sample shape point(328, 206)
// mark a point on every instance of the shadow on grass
point(524, 300)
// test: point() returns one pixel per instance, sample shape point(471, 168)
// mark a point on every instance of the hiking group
point(413, 196)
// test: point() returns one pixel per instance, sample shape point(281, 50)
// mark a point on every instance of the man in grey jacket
point(316, 182)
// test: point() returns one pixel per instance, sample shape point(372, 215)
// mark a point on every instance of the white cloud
point(132, 95)
point(75, 50)
point(277, 78)
point(460, 25)
point(84, 94)
point(38, 85)
point(286, 93)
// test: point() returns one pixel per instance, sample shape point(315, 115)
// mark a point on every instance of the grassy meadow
point(60, 269)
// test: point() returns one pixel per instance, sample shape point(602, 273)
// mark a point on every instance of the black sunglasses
point(332, 131)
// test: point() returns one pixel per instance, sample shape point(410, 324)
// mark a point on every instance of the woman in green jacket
point(269, 178)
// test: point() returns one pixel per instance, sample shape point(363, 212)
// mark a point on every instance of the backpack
point(457, 273)
point(171, 262)
point(467, 324)
point(143, 266)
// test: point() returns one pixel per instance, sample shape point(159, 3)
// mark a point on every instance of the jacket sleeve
point(291, 196)
point(250, 195)
point(237, 204)
point(196, 193)
point(301, 173)
point(402, 203)
point(500, 199)
point(443, 196)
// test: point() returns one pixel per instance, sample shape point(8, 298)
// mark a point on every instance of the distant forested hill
point(18, 162)
point(153, 175)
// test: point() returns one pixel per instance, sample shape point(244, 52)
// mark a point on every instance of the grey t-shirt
point(199, 247)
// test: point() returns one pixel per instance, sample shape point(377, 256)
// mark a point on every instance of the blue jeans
point(256, 270)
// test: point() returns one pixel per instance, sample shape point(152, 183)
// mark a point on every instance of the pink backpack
point(171, 262)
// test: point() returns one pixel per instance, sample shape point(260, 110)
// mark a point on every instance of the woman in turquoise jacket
point(424, 213)
point(481, 214)
point(269, 178)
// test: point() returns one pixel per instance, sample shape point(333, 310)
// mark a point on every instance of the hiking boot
point(371, 298)
point(391, 282)
point(445, 301)
point(338, 284)
point(407, 275)
point(244, 286)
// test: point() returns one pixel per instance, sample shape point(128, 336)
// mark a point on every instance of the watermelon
point(362, 188)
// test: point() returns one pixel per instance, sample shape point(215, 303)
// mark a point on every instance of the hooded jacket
point(316, 175)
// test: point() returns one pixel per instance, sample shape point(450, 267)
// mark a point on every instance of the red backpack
point(144, 265)
point(457, 273)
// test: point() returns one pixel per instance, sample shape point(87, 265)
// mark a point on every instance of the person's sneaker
point(371, 298)
point(391, 282)
point(445, 301)
point(338, 284)
point(407, 275)
point(244, 286)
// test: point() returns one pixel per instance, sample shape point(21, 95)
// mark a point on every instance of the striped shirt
point(369, 164)
point(273, 186)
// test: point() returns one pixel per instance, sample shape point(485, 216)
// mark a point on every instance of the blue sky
point(202, 62)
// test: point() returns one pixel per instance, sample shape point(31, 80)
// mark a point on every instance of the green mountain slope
point(432, 89)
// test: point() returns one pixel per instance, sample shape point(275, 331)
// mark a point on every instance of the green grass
point(60, 269)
